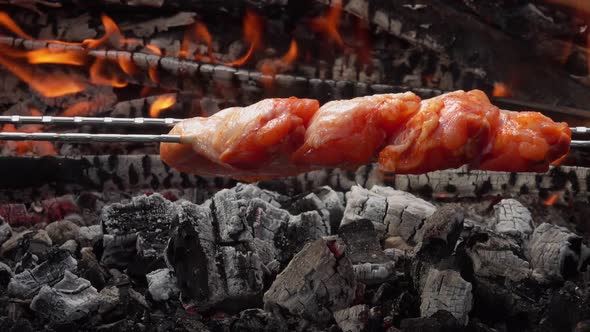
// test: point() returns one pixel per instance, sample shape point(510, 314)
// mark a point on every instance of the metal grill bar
point(90, 138)
point(81, 120)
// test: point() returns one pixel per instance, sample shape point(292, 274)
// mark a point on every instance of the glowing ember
point(163, 102)
point(501, 90)
point(328, 24)
point(252, 34)
point(551, 200)
point(83, 108)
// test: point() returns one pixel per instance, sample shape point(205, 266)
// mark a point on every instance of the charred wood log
point(317, 282)
point(27, 283)
point(69, 300)
point(446, 290)
point(554, 252)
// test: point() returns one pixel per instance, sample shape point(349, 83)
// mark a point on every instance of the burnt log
point(370, 264)
point(446, 290)
point(318, 281)
point(162, 285)
point(495, 255)
point(554, 252)
point(27, 283)
point(393, 212)
point(512, 218)
point(71, 299)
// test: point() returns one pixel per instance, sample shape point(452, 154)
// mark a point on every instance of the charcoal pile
point(254, 259)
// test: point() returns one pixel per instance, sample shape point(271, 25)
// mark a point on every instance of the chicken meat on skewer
point(407, 135)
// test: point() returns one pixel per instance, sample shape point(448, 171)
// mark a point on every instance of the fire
point(328, 24)
point(19, 148)
point(582, 5)
point(252, 34)
point(551, 200)
point(501, 90)
point(280, 65)
point(154, 49)
point(7, 23)
point(82, 108)
point(199, 33)
point(161, 103)
point(58, 84)
point(98, 75)
point(112, 36)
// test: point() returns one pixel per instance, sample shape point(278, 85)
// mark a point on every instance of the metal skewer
point(90, 138)
point(82, 120)
point(129, 138)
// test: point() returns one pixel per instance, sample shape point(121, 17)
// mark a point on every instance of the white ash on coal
point(317, 282)
point(71, 299)
point(26, 284)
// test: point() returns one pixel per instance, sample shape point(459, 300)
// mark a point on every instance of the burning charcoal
point(318, 281)
point(16, 241)
point(494, 255)
point(26, 284)
point(209, 274)
point(446, 290)
point(88, 236)
point(269, 225)
point(353, 319)
point(393, 212)
point(554, 251)
point(512, 218)
point(567, 306)
point(118, 250)
point(70, 245)
point(250, 191)
point(334, 203)
point(90, 269)
point(304, 228)
point(441, 231)
point(371, 265)
point(62, 231)
point(146, 220)
point(441, 320)
point(5, 231)
point(162, 285)
point(69, 300)
point(40, 243)
point(5, 275)
point(255, 320)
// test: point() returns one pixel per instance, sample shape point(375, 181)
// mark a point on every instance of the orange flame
point(551, 200)
point(7, 23)
point(154, 49)
point(112, 35)
point(199, 32)
point(127, 65)
point(161, 103)
point(83, 108)
point(55, 85)
point(100, 77)
point(280, 65)
point(252, 34)
point(65, 57)
point(501, 90)
point(328, 24)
